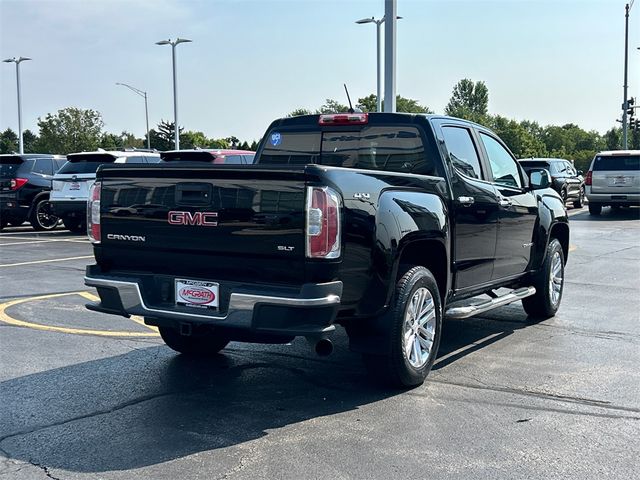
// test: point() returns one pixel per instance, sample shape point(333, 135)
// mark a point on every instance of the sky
point(251, 61)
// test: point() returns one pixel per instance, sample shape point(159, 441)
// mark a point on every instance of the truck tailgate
point(212, 221)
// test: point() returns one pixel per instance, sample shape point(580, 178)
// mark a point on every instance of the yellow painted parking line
point(139, 320)
point(6, 318)
point(46, 261)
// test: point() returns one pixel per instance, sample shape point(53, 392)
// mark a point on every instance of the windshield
point(616, 162)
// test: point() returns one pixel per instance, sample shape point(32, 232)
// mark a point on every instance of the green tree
point(30, 141)
point(299, 111)
point(191, 139)
point(8, 141)
point(254, 145)
point(613, 139)
point(332, 106)
point(469, 100)
point(403, 104)
point(70, 130)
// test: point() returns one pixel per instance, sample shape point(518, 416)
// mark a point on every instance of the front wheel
point(413, 327)
point(196, 344)
point(42, 217)
point(549, 284)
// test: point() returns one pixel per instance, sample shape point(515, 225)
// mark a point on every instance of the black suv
point(565, 179)
point(25, 183)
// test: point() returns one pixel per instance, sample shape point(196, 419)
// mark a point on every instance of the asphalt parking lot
point(85, 395)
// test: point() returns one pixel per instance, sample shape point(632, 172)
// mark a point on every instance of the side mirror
point(539, 179)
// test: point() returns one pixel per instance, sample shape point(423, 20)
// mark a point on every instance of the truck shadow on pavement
point(150, 406)
point(608, 214)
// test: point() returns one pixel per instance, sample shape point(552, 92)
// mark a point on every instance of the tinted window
point(85, 164)
point(393, 149)
point(617, 162)
point(233, 160)
point(152, 159)
point(43, 166)
point(462, 151)
point(135, 160)
point(9, 166)
point(503, 166)
point(535, 165)
point(291, 148)
point(58, 163)
point(249, 159)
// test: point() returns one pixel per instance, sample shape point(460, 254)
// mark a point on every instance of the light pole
point(378, 57)
point(390, 9)
point(173, 44)
point(17, 62)
point(625, 104)
point(146, 110)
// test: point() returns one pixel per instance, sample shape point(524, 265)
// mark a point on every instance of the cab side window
point(462, 152)
point(504, 169)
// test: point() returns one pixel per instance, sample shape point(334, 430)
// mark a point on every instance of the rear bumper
point(11, 208)
point(613, 198)
point(69, 208)
point(310, 311)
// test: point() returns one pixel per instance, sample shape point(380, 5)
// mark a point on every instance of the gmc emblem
point(204, 219)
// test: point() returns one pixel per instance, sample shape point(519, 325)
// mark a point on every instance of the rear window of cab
point(383, 148)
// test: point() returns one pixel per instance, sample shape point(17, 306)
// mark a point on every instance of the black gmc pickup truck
point(382, 223)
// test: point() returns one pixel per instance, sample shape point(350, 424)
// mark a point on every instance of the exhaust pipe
point(324, 347)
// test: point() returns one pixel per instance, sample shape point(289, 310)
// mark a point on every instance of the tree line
point(78, 130)
point(75, 129)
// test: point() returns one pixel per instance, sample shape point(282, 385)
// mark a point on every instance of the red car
point(216, 156)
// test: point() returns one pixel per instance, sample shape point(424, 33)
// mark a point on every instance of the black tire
point(196, 344)
point(42, 217)
point(595, 208)
point(580, 201)
point(74, 225)
point(543, 304)
point(395, 368)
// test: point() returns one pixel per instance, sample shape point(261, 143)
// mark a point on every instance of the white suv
point(72, 182)
point(613, 179)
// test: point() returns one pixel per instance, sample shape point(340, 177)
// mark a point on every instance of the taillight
point(323, 223)
point(588, 179)
point(17, 183)
point(93, 213)
point(344, 119)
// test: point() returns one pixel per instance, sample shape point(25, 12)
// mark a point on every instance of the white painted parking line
point(46, 261)
point(30, 240)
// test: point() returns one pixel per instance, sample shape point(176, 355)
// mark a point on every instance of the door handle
point(505, 202)
point(466, 201)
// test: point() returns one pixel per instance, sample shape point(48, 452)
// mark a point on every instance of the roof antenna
point(351, 110)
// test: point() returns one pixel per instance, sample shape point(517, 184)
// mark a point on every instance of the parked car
point(566, 180)
point(383, 223)
point(215, 156)
point(613, 179)
point(25, 186)
point(72, 182)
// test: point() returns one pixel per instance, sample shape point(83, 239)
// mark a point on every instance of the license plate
point(196, 293)
point(74, 186)
point(619, 180)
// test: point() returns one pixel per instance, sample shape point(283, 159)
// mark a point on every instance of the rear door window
point(616, 162)
point(43, 166)
point(462, 151)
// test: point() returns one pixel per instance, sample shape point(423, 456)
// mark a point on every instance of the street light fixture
point(17, 61)
point(378, 59)
point(173, 44)
point(146, 110)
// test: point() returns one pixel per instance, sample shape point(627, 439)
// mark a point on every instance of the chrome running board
point(471, 310)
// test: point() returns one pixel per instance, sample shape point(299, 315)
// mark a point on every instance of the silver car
point(613, 179)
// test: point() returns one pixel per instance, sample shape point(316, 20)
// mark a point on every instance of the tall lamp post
point(17, 61)
point(625, 100)
point(173, 44)
point(378, 57)
point(146, 110)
